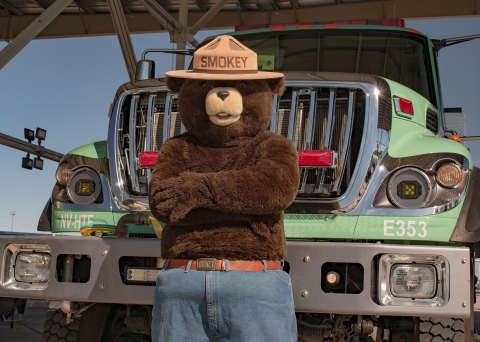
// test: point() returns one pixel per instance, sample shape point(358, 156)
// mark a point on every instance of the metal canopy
point(92, 17)
point(24, 20)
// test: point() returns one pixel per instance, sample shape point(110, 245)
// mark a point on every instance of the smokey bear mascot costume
point(222, 188)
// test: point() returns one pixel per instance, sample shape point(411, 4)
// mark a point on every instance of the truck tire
point(434, 329)
point(55, 327)
point(88, 327)
point(99, 323)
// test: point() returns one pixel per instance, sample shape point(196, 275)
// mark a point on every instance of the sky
point(66, 86)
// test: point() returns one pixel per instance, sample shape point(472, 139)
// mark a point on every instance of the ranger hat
point(224, 58)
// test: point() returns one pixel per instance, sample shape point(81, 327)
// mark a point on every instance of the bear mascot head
point(222, 187)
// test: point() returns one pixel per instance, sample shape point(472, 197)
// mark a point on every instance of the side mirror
point(144, 70)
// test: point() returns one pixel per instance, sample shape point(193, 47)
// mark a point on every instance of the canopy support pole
point(123, 35)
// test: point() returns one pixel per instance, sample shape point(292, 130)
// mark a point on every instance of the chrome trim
point(346, 139)
point(150, 113)
point(330, 120)
point(144, 70)
point(132, 133)
point(427, 163)
point(167, 118)
point(305, 275)
point(439, 262)
point(106, 205)
point(10, 254)
point(311, 120)
point(292, 122)
point(148, 136)
point(275, 110)
point(346, 202)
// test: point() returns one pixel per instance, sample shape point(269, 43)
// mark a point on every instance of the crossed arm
point(267, 187)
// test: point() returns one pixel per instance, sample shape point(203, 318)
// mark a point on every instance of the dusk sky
point(66, 86)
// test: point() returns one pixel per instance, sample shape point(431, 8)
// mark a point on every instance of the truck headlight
point(84, 186)
point(409, 188)
point(32, 267)
point(26, 266)
point(413, 280)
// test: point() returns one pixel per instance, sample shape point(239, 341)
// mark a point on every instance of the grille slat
point(292, 119)
point(345, 140)
point(132, 148)
point(326, 173)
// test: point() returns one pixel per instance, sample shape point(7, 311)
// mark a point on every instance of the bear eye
point(242, 84)
point(206, 85)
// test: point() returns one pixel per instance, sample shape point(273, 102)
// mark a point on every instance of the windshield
point(393, 55)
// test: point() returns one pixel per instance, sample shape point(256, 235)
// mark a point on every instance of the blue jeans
point(223, 306)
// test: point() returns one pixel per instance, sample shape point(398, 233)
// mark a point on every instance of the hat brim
point(261, 75)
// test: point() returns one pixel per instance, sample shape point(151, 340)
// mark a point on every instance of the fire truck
point(381, 236)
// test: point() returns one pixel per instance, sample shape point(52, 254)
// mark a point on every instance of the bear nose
point(223, 95)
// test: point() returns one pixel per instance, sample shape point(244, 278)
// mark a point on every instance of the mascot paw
point(176, 197)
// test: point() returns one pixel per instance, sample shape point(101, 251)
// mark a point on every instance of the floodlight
point(38, 163)
point(29, 135)
point(27, 163)
point(41, 133)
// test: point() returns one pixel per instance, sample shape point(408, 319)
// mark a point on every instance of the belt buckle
point(206, 264)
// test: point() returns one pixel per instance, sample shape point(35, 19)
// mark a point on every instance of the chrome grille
point(322, 119)
point(313, 118)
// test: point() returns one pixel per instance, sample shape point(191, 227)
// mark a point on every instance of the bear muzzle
point(224, 105)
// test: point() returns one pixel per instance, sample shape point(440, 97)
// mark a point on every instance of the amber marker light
point(455, 138)
point(148, 159)
point(449, 175)
point(277, 27)
point(412, 30)
point(330, 26)
point(311, 158)
point(304, 27)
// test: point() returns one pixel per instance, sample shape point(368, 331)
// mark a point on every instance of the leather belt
point(212, 264)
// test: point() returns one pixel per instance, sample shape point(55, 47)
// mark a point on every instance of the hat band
point(209, 71)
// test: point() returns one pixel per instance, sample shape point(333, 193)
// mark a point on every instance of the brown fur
point(222, 189)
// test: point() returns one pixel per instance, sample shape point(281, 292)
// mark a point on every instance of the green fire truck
point(381, 237)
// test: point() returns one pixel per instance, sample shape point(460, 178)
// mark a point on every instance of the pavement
point(29, 326)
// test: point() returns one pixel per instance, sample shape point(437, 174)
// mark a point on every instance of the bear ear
point(277, 85)
point(174, 84)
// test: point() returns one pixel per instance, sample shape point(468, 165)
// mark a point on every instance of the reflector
point(316, 158)
point(403, 106)
point(148, 159)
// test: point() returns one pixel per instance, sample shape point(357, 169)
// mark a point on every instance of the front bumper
point(305, 258)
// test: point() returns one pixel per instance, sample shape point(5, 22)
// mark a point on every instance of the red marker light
point(316, 158)
point(403, 106)
point(148, 159)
